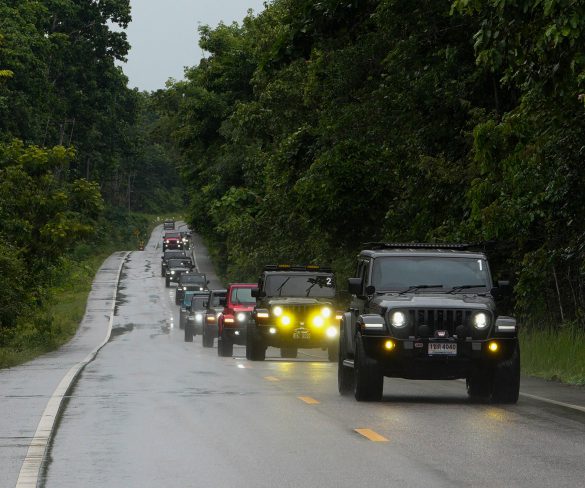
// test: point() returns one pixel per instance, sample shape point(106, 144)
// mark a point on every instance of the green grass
point(554, 354)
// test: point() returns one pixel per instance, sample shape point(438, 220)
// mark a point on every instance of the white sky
point(164, 38)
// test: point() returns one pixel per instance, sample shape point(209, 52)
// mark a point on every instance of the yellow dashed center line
point(309, 400)
point(371, 435)
point(271, 378)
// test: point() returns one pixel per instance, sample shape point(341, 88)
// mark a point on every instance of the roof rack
point(424, 245)
point(288, 267)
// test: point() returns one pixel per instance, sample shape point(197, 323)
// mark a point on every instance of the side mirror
point(355, 286)
point(188, 308)
point(254, 292)
point(223, 301)
point(503, 290)
point(208, 282)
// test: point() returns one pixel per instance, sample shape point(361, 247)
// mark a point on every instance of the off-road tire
point(225, 348)
point(255, 348)
point(345, 375)
point(479, 384)
point(333, 353)
point(289, 352)
point(368, 379)
point(189, 331)
point(206, 338)
point(506, 379)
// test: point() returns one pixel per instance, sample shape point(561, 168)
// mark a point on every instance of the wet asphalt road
point(154, 411)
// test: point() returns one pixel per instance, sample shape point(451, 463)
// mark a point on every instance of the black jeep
point(294, 309)
point(189, 282)
point(174, 254)
point(176, 268)
point(427, 311)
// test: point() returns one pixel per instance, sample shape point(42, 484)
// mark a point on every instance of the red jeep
point(172, 240)
point(233, 320)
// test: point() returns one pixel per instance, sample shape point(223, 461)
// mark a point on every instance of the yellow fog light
point(285, 320)
point(318, 321)
point(326, 312)
point(277, 311)
point(493, 346)
point(389, 345)
point(331, 332)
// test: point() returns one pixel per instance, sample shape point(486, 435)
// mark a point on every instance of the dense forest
point(76, 152)
point(307, 129)
point(316, 125)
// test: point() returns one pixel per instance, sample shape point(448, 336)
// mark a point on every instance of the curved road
point(154, 411)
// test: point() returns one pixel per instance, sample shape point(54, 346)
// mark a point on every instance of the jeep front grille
point(442, 319)
point(301, 313)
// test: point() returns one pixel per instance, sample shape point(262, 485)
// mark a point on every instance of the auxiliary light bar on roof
point(422, 245)
point(288, 267)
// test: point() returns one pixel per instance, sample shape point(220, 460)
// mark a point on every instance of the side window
point(360, 269)
point(367, 272)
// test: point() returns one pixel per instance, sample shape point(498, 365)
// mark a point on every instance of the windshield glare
point(242, 295)
point(198, 303)
point(305, 285)
point(192, 278)
point(179, 263)
point(401, 273)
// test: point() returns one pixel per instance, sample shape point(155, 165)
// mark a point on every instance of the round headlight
point(277, 311)
point(326, 312)
point(198, 317)
point(184, 288)
point(172, 272)
point(241, 317)
point(318, 321)
point(331, 332)
point(285, 320)
point(398, 319)
point(480, 320)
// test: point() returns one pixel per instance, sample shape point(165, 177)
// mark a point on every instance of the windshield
point(199, 303)
point(179, 263)
point(172, 235)
point(404, 273)
point(193, 278)
point(175, 254)
point(242, 296)
point(215, 299)
point(303, 285)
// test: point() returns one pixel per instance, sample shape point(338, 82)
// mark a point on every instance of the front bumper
point(413, 359)
point(302, 337)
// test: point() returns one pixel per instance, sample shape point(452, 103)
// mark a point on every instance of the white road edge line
point(35, 456)
point(554, 402)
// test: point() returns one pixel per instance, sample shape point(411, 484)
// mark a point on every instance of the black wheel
point(333, 353)
point(288, 352)
point(177, 299)
point(206, 338)
point(182, 319)
point(162, 272)
point(506, 379)
point(479, 384)
point(188, 331)
point(255, 348)
point(368, 380)
point(345, 376)
point(167, 283)
point(225, 348)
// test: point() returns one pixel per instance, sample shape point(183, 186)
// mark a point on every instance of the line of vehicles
point(417, 311)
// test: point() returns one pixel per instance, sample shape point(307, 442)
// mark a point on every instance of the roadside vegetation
point(76, 162)
point(315, 126)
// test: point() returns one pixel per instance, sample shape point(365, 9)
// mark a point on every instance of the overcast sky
point(164, 39)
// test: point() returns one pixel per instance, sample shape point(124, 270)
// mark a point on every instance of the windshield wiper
point(279, 289)
point(418, 287)
point(455, 289)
